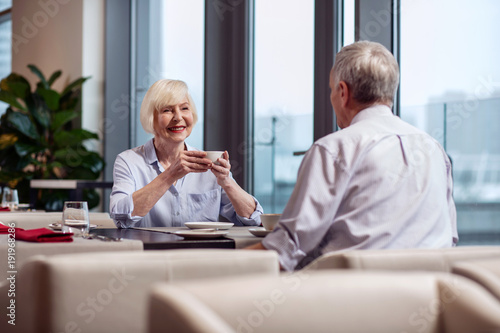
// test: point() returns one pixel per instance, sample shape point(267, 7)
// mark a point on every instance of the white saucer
point(259, 232)
point(197, 234)
point(57, 226)
point(207, 225)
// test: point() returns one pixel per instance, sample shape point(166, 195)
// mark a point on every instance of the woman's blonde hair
point(369, 70)
point(161, 94)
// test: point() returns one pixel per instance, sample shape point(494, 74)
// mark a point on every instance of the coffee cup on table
point(269, 221)
point(213, 155)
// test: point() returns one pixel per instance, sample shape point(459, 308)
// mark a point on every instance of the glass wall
point(450, 87)
point(5, 44)
point(175, 51)
point(348, 35)
point(283, 96)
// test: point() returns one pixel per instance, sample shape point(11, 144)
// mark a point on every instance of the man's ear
point(344, 93)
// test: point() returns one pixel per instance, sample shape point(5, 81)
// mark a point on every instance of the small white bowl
point(269, 221)
point(213, 155)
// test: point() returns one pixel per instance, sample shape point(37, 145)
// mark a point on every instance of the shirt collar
point(371, 112)
point(150, 152)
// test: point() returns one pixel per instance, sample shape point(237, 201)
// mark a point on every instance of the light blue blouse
point(196, 197)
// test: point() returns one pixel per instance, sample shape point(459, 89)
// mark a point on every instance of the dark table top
point(161, 241)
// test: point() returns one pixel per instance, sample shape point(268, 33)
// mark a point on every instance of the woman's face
point(174, 123)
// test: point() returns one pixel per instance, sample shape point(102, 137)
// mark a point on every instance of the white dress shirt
point(196, 197)
point(379, 183)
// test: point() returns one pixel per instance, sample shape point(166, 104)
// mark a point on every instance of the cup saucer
point(259, 232)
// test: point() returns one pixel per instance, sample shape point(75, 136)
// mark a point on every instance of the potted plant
point(39, 141)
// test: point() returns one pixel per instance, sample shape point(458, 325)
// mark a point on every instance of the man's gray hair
point(369, 70)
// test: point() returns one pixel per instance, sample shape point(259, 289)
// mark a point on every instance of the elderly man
point(378, 183)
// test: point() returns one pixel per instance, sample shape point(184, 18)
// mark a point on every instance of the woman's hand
point(189, 161)
point(243, 203)
point(222, 171)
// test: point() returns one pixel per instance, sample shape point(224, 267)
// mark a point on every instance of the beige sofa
point(437, 260)
point(326, 301)
point(107, 292)
point(485, 272)
point(25, 250)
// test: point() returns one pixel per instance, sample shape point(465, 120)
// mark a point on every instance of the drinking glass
point(76, 218)
point(10, 198)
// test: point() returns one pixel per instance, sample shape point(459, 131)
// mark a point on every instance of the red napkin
point(38, 235)
point(43, 235)
point(4, 209)
point(4, 229)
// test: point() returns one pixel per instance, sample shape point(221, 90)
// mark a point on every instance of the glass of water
point(76, 218)
point(10, 198)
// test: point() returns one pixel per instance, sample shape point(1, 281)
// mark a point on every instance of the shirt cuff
point(279, 241)
point(124, 218)
point(254, 219)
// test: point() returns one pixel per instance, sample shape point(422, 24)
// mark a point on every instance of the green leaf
point(55, 164)
point(74, 84)
point(51, 97)
point(92, 197)
point(61, 153)
point(23, 124)
point(16, 84)
point(93, 162)
point(38, 73)
point(69, 102)
point(70, 157)
point(61, 118)
point(10, 98)
point(81, 173)
point(24, 162)
point(39, 110)
point(24, 149)
point(7, 176)
point(54, 77)
point(53, 200)
point(73, 137)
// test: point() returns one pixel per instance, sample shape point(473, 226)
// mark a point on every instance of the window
point(283, 96)
point(450, 87)
point(348, 20)
point(175, 50)
point(5, 43)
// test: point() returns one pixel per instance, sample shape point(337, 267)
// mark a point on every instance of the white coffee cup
point(213, 155)
point(269, 221)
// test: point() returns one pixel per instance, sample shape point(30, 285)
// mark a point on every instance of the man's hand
point(257, 246)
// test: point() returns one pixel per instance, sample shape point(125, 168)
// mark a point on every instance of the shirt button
point(176, 194)
point(177, 213)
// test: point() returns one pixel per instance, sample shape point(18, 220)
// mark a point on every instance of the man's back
point(379, 183)
point(397, 188)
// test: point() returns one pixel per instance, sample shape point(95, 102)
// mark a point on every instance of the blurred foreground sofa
point(326, 301)
point(108, 291)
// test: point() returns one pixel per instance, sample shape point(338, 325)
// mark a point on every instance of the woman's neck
point(168, 152)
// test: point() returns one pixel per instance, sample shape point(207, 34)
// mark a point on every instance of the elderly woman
point(166, 182)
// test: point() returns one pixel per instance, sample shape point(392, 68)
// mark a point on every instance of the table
point(163, 238)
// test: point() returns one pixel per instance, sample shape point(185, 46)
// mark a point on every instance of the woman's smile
point(177, 129)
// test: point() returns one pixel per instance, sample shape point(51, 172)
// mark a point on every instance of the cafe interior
point(258, 73)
